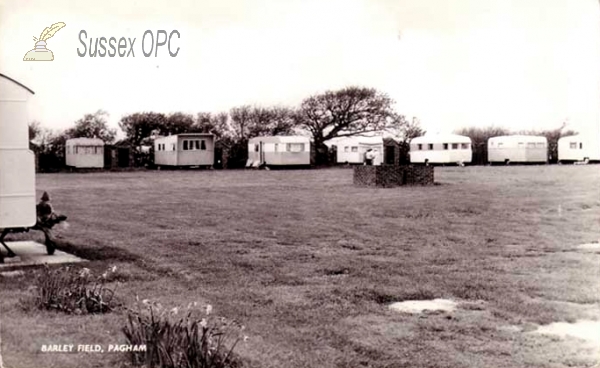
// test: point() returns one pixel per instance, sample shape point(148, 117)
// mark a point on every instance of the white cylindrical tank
point(17, 162)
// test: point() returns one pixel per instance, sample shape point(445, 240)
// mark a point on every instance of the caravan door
point(262, 152)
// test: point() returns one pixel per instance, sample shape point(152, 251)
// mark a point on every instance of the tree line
point(332, 114)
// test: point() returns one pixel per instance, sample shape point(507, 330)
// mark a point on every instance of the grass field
point(309, 263)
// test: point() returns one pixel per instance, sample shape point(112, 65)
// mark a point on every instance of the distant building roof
point(194, 135)
point(441, 138)
point(91, 141)
point(536, 138)
point(361, 140)
point(20, 84)
point(122, 143)
point(280, 139)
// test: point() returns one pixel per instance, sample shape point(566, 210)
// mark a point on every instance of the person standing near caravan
point(369, 157)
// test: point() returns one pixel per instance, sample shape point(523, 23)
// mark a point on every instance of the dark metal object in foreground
point(45, 227)
point(389, 176)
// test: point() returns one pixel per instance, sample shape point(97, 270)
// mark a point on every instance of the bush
point(73, 291)
point(185, 342)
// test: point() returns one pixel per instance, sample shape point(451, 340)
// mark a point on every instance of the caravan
point(578, 148)
point(441, 149)
point(17, 162)
point(84, 153)
point(279, 151)
point(352, 150)
point(186, 149)
point(517, 148)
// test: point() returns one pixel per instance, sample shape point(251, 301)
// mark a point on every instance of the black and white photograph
point(300, 184)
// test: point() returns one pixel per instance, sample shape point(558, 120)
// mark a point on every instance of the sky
point(452, 63)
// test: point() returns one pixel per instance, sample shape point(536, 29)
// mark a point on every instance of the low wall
point(387, 176)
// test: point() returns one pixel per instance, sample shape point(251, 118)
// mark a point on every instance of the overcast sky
point(524, 64)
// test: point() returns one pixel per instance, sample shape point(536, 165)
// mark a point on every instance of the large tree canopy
point(346, 112)
point(93, 126)
point(216, 124)
point(177, 123)
point(139, 126)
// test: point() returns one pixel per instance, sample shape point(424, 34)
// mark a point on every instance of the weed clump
point(73, 291)
point(181, 338)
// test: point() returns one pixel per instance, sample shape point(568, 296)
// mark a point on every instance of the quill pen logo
point(40, 52)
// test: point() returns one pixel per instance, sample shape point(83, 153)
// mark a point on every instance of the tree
point(269, 121)
point(345, 112)
point(403, 131)
point(177, 123)
point(93, 126)
point(216, 124)
point(240, 120)
point(139, 127)
point(35, 130)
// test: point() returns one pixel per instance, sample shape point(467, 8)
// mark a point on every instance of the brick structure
point(388, 176)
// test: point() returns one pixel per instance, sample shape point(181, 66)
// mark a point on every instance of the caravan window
point(540, 144)
point(185, 145)
point(445, 146)
point(530, 144)
point(202, 145)
point(419, 146)
point(573, 145)
point(521, 144)
point(580, 145)
point(295, 147)
point(354, 149)
point(464, 146)
point(454, 145)
point(500, 144)
point(276, 147)
point(430, 146)
point(198, 145)
point(256, 148)
point(346, 149)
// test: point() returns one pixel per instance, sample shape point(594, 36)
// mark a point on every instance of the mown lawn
point(309, 263)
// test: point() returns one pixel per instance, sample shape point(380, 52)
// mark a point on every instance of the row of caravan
point(450, 149)
point(197, 149)
point(429, 149)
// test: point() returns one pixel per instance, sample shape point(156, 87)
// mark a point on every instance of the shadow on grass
point(95, 253)
point(106, 253)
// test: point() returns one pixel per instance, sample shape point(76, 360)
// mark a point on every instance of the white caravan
point(441, 149)
point(517, 148)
